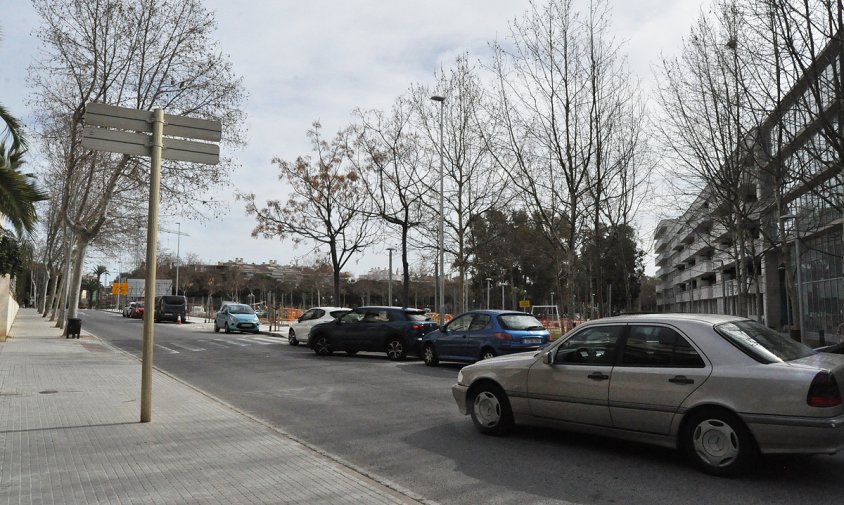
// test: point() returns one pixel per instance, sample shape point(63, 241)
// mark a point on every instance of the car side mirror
point(443, 329)
point(547, 358)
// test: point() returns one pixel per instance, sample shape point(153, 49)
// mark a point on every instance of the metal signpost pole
point(390, 278)
point(152, 240)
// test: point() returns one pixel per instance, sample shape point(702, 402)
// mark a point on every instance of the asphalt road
point(399, 421)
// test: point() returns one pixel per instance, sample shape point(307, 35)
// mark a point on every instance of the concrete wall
point(8, 307)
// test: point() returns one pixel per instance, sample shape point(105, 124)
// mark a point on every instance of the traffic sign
point(123, 118)
point(139, 144)
point(121, 288)
point(524, 304)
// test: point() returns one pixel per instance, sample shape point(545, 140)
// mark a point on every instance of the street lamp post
point(390, 277)
point(488, 286)
point(178, 243)
point(503, 284)
point(119, 268)
point(441, 239)
point(552, 298)
point(793, 218)
point(723, 291)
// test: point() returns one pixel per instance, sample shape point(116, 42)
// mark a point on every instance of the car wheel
point(718, 442)
point(429, 354)
point(396, 350)
point(322, 346)
point(216, 328)
point(291, 338)
point(490, 409)
point(487, 353)
point(351, 353)
point(228, 330)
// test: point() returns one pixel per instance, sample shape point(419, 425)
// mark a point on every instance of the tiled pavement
point(69, 433)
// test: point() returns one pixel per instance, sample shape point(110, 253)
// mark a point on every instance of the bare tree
point(565, 124)
point(328, 204)
point(133, 53)
point(393, 171)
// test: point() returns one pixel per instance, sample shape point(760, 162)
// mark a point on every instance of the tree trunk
point(76, 278)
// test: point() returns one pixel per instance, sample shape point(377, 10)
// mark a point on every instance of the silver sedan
point(722, 389)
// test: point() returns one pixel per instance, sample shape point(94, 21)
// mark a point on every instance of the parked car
point(170, 308)
point(236, 317)
point(834, 348)
point(302, 327)
point(484, 334)
point(127, 309)
point(721, 388)
point(137, 310)
point(396, 331)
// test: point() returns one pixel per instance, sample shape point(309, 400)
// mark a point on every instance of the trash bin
point(74, 327)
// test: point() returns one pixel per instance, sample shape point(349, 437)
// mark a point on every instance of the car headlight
point(460, 377)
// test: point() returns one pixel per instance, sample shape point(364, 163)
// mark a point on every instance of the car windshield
point(520, 322)
point(174, 300)
point(240, 309)
point(762, 343)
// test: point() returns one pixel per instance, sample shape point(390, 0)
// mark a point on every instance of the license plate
point(531, 340)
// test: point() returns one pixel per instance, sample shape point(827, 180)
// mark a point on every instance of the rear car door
point(657, 370)
point(574, 386)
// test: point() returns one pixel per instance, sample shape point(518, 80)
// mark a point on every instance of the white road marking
point(269, 340)
point(232, 342)
point(189, 348)
point(253, 340)
point(171, 351)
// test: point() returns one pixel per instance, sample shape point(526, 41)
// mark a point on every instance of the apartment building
point(695, 257)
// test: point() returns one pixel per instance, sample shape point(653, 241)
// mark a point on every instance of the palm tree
point(99, 271)
point(18, 191)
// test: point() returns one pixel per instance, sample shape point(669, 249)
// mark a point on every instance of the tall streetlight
point(488, 286)
point(390, 277)
point(503, 285)
point(441, 238)
point(723, 291)
point(552, 298)
point(178, 243)
point(792, 217)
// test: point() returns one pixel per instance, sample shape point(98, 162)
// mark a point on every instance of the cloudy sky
point(321, 59)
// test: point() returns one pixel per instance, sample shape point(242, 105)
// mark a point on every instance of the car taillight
point(824, 391)
point(500, 335)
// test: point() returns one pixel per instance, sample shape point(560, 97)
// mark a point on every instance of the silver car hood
point(509, 359)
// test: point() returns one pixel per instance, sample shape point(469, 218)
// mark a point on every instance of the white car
point(300, 329)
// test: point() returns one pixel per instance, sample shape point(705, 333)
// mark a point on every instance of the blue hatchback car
point(483, 334)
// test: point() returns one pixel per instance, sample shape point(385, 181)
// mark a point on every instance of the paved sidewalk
point(69, 433)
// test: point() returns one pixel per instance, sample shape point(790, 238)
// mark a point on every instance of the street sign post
point(149, 133)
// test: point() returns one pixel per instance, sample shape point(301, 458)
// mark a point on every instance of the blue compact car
point(483, 334)
point(237, 317)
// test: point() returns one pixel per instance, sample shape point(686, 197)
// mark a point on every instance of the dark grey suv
point(396, 331)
